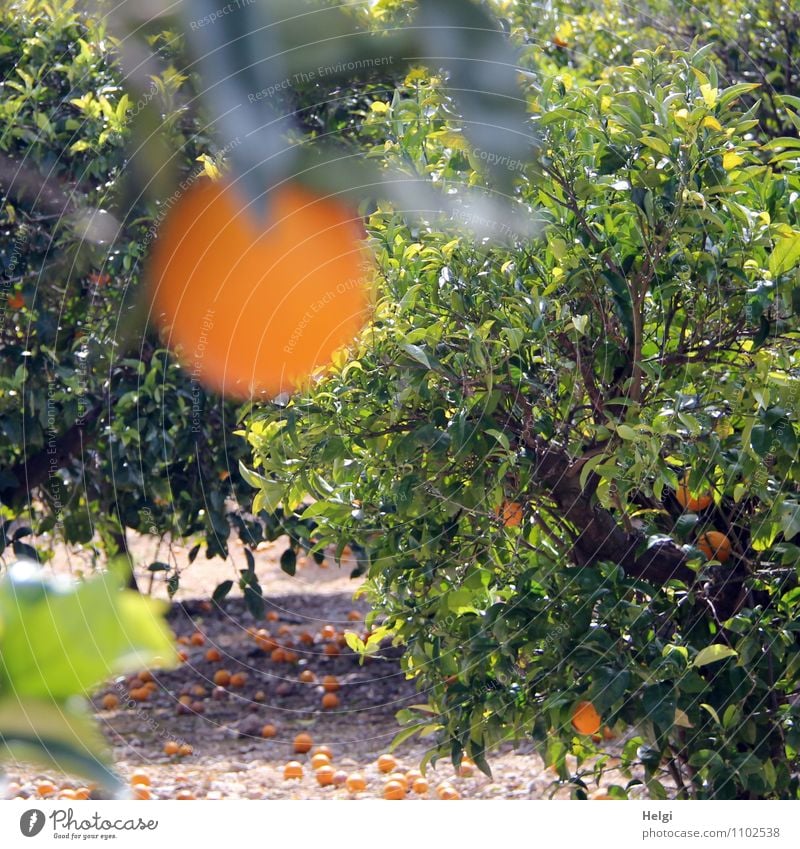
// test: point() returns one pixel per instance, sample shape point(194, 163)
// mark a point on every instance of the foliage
point(651, 333)
point(58, 640)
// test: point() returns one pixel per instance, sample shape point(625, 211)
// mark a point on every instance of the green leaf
point(69, 636)
point(785, 256)
point(59, 736)
point(711, 654)
point(289, 561)
point(416, 353)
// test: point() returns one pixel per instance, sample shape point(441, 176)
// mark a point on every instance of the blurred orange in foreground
point(256, 307)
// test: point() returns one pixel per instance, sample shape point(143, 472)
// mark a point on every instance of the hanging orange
point(585, 719)
point(691, 501)
point(715, 546)
point(255, 307)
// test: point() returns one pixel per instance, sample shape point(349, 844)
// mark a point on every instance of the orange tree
point(102, 431)
point(643, 348)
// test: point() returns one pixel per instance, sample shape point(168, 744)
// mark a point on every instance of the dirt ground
point(307, 615)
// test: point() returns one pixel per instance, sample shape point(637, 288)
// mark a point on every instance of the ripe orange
point(356, 782)
point(182, 656)
point(466, 768)
point(83, 793)
point(140, 778)
point(327, 632)
point(260, 696)
point(324, 775)
point(199, 691)
point(400, 778)
point(183, 795)
point(291, 656)
point(339, 778)
point(184, 750)
point(420, 786)
point(387, 763)
point(330, 701)
point(45, 788)
point(222, 677)
point(278, 655)
point(272, 616)
point(330, 683)
point(293, 769)
point(319, 759)
point(306, 639)
point(141, 791)
point(511, 514)
point(140, 694)
point(332, 650)
point(146, 676)
point(257, 306)
point(688, 500)
point(585, 719)
point(393, 790)
point(197, 639)
point(303, 743)
point(238, 679)
point(447, 791)
point(324, 750)
point(171, 748)
point(110, 701)
point(268, 731)
point(213, 655)
point(16, 301)
point(354, 616)
point(307, 676)
point(715, 545)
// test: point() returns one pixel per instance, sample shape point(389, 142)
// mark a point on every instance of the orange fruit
point(691, 501)
point(420, 786)
point(293, 769)
point(339, 778)
point(324, 750)
point(45, 788)
point(400, 778)
point(324, 775)
point(184, 750)
point(272, 616)
point(608, 733)
point(254, 302)
point(197, 639)
point(171, 748)
point(330, 701)
point(307, 676)
point(110, 701)
point(238, 679)
point(330, 683)
point(715, 545)
point(291, 656)
point(183, 795)
point(141, 791)
point(16, 301)
point(319, 759)
point(393, 790)
point(447, 791)
point(303, 743)
point(511, 514)
point(182, 656)
point(146, 676)
point(260, 696)
point(222, 677)
point(68, 793)
point(278, 655)
point(83, 793)
point(306, 639)
point(332, 650)
point(140, 694)
point(328, 632)
point(585, 719)
point(268, 731)
point(387, 763)
point(213, 655)
point(200, 691)
point(354, 616)
point(355, 782)
point(466, 768)
point(140, 778)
